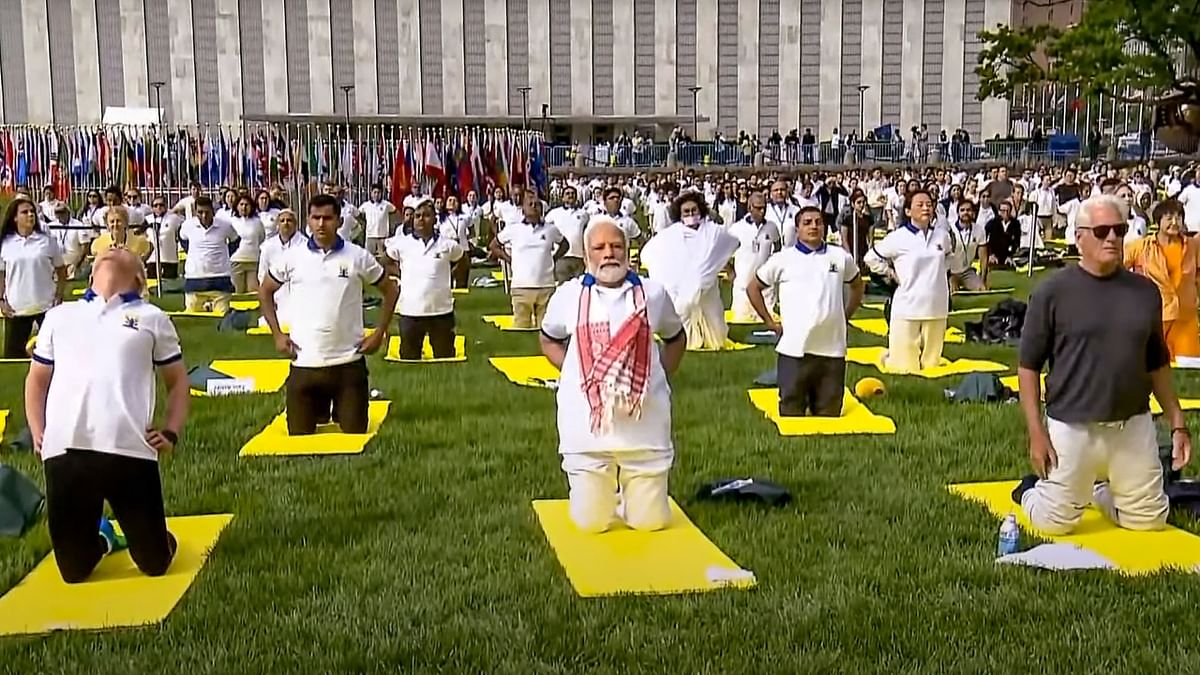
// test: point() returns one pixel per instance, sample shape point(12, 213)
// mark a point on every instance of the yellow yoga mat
point(729, 346)
point(878, 306)
point(243, 305)
point(329, 440)
point(527, 371)
point(855, 419)
point(196, 315)
point(263, 330)
point(117, 594)
point(498, 275)
point(1132, 552)
point(269, 374)
point(729, 319)
point(3, 422)
point(624, 561)
point(873, 356)
point(1014, 382)
point(460, 291)
point(460, 352)
point(505, 322)
point(879, 326)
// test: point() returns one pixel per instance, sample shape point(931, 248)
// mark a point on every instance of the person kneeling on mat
point(328, 376)
point(614, 401)
point(1104, 365)
point(425, 260)
point(811, 277)
point(90, 419)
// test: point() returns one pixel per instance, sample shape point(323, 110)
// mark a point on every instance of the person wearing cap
point(613, 397)
point(92, 420)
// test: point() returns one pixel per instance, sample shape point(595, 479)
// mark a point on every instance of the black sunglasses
point(1102, 231)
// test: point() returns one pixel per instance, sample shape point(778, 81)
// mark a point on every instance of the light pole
point(695, 112)
point(154, 166)
point(346, 89)
point(524, 106)
point(862, 123)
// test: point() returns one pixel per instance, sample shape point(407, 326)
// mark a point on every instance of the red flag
point(435, 171)
point(466, 175)
point(401, 174)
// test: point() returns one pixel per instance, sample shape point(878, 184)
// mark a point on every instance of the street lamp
point(862, 124)
point(157, 169)
point(524, 106)
point(346, 89)
point(695, 112)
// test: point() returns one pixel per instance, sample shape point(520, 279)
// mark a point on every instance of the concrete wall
point(761, 64)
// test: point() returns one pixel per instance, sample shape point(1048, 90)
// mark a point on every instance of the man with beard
point(968, 241)
point(614, 401)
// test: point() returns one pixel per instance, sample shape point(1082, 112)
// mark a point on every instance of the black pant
point(311, 392)
point(169, 270)
point(440, 330)
point(811, 384)
point(77, 485)
point(17, 330)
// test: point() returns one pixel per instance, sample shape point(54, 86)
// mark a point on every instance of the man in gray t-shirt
point(1099, 329)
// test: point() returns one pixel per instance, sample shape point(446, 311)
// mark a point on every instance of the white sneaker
point(1102, 498)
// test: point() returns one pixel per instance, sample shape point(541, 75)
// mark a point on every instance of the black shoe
point(1024, 486)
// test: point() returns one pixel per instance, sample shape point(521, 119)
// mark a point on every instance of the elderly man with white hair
point(614, 399)
point(1103, 366)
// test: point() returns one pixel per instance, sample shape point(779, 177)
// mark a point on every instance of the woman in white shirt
point(453, 225)
point(267, 212)
point(914, 256)
point(33, 274)
point(250, 238)
point(162, 229)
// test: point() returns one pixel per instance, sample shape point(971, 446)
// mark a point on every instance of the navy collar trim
point(132, 296)
point(803, 248)
point(912, 228)
point(631, 277)
point(338, 244)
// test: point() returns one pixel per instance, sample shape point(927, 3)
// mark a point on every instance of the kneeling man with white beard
point(614, 400)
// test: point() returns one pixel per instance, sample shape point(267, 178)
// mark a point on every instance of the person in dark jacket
point(1003, 236)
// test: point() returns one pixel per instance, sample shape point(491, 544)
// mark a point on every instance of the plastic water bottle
point(1010, 536)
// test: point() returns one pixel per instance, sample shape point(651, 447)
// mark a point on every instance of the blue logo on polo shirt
point(130, 322)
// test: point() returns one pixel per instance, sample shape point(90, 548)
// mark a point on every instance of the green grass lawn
point(424, 554)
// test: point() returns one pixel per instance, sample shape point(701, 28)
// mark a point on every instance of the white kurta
point(687, 263)
point(756, 243)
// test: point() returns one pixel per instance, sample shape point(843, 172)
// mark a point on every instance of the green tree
point(1131, 50)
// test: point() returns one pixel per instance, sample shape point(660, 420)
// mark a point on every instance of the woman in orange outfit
point(1170, 259)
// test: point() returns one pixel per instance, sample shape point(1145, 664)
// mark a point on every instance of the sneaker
point(1024, 486)
point(1103, 499)
point(115, 542)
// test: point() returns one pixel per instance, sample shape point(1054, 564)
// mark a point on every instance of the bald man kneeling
point(91, 419)
point(614, 401)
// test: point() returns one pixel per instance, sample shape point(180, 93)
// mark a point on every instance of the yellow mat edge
point(281, 417)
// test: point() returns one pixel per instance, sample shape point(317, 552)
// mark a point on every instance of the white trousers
point(915, 344)
point(632, 481)
point(1126, 453)
point(743, 310)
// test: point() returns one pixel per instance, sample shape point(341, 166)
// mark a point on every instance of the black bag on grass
point(769, 378)
point(237, 320)
point(1002, 324)
point(20, 502)
point(745, 490)
point(979, 388)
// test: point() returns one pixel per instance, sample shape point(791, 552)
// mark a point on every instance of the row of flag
point(444, 161)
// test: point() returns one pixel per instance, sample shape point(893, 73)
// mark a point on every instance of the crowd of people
point(796, 251)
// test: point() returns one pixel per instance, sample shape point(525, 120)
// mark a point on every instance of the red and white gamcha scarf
point(615, 365)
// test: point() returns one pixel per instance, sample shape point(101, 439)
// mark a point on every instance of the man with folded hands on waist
point(328, 376)
point(424, 260)
point(1104, 364)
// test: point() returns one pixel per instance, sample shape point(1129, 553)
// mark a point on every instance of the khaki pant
point(529, 306)
point(195, 302)
point(566, 269)
point(915, 344)
point(375, 246)
point(245, 277)
point(608, 486)
point(1126, 453)
point(967, 279)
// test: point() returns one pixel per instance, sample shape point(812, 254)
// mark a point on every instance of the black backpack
point(20, 502)
point(1002, 324)
point(980, 388)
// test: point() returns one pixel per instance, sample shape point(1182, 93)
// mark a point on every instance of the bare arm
point(175, 376)
point(858, 288)
point(391, 293)
point(754, 292)
point(562, 249)
point(555, 351)
point(1181, 438)
point(985, 262)
point(498, 251)
point(37, 385)
point(266, 302)
point(672, 353)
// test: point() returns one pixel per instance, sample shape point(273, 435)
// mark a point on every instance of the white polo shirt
point(811, 285)
point(532, 249)
point(425, 273)
point(168, 238)
point(28, 265)
point(103, 404)
point(651, 431)
point(570, 222)
point(208, 248)
point(378, 218)
point(271, 253)
point(455, 227)
point(250, 237)
point(349, 221)
point(921, 263)
point(72, 238)
point(136, 217)
point(784, 218)
point(330, 284)
point(965, 243)
point(1190, 198)
point(756, 243)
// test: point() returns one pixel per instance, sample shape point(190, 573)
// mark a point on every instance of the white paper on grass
point(1059, 557)
point(722, 576)
point(1187, 361)
point(228, 386)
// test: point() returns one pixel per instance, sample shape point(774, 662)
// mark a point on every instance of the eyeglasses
point(159, 205)
point(1102, 231)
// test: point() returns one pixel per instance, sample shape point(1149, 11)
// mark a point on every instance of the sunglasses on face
point(1102, 231)
point(159, 205)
